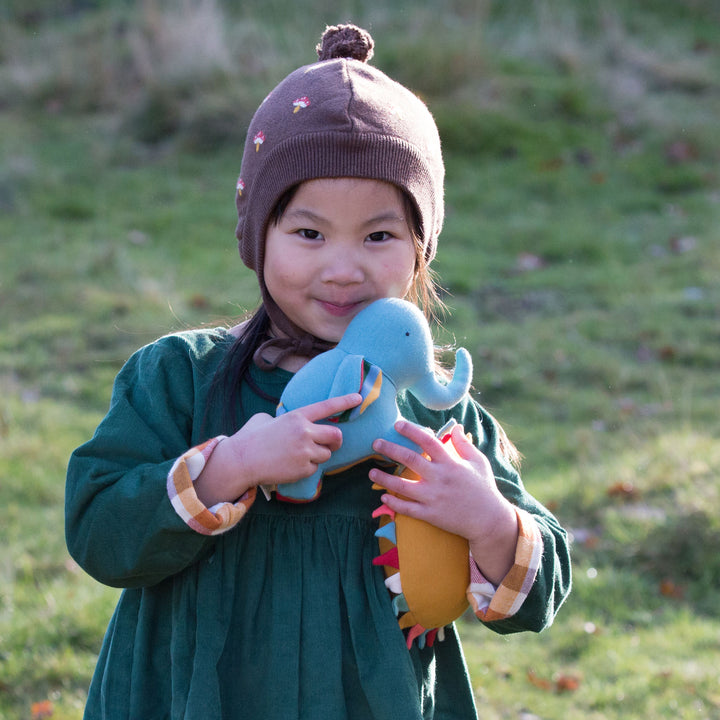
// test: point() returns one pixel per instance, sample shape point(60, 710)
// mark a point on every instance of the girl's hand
point(457, 494)
point(273, 450)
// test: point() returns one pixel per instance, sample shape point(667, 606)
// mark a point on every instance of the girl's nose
point(342, 267)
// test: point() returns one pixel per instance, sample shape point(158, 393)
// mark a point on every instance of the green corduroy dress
point(282, 617)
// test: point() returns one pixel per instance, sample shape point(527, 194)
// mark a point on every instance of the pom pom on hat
point(345, 41)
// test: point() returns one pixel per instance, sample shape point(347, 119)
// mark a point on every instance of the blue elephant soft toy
point(386, 348)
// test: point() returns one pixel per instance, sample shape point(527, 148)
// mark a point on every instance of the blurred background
point(579, 261)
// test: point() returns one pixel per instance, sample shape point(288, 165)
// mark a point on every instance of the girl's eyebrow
point(305, 213)
point(302, 213)
point(389, 216)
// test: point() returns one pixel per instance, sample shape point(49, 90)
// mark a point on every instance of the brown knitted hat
point(338, 117)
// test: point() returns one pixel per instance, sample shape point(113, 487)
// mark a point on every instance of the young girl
point(238, 605)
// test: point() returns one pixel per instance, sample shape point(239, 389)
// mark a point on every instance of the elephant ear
point(355, 374)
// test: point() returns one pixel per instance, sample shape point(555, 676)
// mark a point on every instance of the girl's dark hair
point(235, 367)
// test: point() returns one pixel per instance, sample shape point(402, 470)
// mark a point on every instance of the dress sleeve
point(497, 603)
point(530, 596)
point(121, 526)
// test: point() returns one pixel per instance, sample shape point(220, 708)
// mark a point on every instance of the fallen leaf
point(668, 588)
point(42, 709)
point(199, 302)
point(623, 490)
point(539, 682)
point(567, 683)
point(562, 683)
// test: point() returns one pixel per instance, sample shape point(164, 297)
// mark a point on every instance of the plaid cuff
point(208, 521)
point(489, 603)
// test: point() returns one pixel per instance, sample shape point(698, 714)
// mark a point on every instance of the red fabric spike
point(390, 558)
point(430, 637)
point(415, 631)
point(383, 510)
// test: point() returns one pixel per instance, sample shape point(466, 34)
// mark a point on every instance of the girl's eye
point(379, 236)
point(309, 234)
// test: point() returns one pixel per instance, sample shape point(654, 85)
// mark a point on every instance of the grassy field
point(580, 260)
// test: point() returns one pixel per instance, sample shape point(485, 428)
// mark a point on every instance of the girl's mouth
point(340, 310)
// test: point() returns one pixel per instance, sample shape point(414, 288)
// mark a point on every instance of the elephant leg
point(303, 490)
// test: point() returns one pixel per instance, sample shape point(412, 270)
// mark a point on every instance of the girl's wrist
point(493, 546)
point(222, 479)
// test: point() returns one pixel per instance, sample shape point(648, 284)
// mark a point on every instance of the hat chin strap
point(293, 341)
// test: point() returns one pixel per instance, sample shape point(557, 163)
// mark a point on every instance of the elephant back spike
point(430, 585)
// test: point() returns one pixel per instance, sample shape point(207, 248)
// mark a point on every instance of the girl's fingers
point(470, 454)
point(331, 406)
point(328, 436)
point(463, 445)
point(412, 459)
point(423, 437)
point(322, 455)
point(395, 483)
point(402, 456)
point(406, 506)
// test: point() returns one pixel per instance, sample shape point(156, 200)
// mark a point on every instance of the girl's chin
point(333, 323)
point(333, 337)
point(332, 332)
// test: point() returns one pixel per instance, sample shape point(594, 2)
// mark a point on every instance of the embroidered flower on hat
point(302, 102)
point(259, 139)
point(240, 186)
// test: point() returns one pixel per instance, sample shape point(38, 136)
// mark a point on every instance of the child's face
point(341, 244)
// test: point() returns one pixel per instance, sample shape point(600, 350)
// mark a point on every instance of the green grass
point(580, 260)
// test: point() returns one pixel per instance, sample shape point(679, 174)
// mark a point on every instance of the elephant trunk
point(435, 395)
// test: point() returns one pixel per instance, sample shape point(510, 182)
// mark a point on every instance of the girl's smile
point(340, 244)
point(339, 310)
